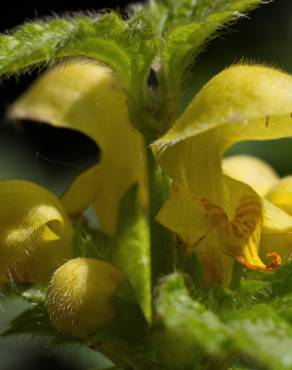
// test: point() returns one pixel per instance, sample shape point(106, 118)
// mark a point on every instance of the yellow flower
point(36, 235)
point(281, 194)
point(218, 217)
point(81, 296)
point(264, 180)
point(88, 97)
point(251, 170)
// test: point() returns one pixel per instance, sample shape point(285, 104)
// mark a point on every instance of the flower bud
point(36, 235)
point(81, 296)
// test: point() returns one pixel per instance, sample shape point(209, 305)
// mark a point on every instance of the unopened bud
point(81, 296)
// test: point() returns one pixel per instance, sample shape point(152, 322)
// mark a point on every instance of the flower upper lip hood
point(249, 96)
point(243, 102)
point(87, 97)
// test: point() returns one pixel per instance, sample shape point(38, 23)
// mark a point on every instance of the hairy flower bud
point(81, 296)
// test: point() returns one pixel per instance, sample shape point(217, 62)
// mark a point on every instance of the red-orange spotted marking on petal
point(240, 237)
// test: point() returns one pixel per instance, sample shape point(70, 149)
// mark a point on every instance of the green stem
point(163, 251)
point(236, 275)
point(168, 107)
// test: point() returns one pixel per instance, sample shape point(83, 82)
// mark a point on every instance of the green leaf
point(35, 294)
point(130, 248)
point(126, 46)
point(274, 287)
point(187, 334)
point(26, 291)
point(281, 280)
point(90, 243)
point(283, 306)
point(129, 323)
point(127, 357)
point(189, 25)
point(34, 320)
point(159, 11)
point(185, 329)
point(263, 336)
point(252, 292)
point(181, 12)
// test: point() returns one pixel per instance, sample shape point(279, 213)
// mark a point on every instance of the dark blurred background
point(53, 157)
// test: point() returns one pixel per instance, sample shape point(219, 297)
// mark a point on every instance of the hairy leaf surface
point(187, 26)
point(127, 47)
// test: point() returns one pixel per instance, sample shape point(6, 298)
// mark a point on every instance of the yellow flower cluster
point(221, 210)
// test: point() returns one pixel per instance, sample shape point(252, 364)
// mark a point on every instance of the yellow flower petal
point(278, 220)
point(184, 215)
point(252, 171)
point(207, 231)
point(88, 97)
point(241, 237)
point(82, 192)
point(281, 194)
point(241, 103)
point(277, 224)
point(36, 235)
